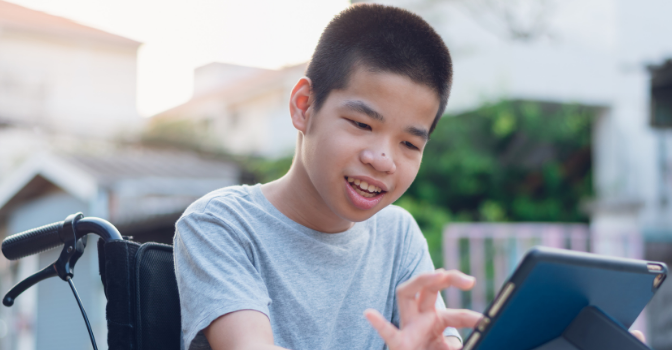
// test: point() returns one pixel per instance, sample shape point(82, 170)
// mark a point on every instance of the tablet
point(552, 286)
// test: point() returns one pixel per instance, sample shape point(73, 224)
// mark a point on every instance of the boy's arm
point(214, 273)
point(241, 330)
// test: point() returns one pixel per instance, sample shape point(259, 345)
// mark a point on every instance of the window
point(661, 95)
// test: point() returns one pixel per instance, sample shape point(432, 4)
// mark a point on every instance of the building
point(60, 83)
point(141, 192)
point(236, 109)
point(67, 97)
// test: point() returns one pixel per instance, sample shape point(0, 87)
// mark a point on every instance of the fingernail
point(468, 278)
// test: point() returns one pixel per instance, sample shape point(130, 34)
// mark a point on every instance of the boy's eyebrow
point(360, 106)
point(418, 132)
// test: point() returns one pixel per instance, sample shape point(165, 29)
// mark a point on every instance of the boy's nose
point(381, 161)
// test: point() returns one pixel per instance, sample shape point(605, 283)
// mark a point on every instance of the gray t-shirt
point(235, 251)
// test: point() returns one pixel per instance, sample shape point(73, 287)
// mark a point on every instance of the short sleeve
point(215, 272)
point(416, 260)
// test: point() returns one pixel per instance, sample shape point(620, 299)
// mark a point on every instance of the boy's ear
point(300, 102)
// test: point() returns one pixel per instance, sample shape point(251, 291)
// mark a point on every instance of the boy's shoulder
point(221, 199)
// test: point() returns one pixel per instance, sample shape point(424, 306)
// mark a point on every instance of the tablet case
point(580, 290)
point(594, 330)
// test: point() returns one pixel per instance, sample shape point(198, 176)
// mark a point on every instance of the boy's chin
point(359, 217)
point(355, 214)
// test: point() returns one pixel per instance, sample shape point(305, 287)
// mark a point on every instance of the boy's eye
point(361, 125)
point(410, 145)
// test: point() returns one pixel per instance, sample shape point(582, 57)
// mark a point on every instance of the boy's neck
point(295, 196)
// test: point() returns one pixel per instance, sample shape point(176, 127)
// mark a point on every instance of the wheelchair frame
point(142, 308)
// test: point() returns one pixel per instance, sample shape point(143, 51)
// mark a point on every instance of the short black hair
point(383, 38)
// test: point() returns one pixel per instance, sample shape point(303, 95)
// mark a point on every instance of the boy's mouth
point(363, 188)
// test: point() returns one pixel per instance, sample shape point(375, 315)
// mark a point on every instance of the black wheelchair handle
point(45, 237)
point(32, 241)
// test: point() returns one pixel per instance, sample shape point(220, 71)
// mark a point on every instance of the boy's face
point(372, 132)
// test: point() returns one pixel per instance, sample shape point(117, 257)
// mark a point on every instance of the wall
point(82, 88)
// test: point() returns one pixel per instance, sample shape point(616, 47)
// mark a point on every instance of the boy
point(294, 263)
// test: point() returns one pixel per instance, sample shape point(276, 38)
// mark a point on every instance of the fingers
point(639, 335)
point(459, 279)
point(438, 280)
point(426, 286)
point(459, 318)
point(427, 300)
point(385, 329)
point(453, 343)
point(407, 293)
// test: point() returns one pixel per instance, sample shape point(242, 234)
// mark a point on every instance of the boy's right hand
point(422, 325)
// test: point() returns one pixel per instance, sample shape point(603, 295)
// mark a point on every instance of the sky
point(180, 35)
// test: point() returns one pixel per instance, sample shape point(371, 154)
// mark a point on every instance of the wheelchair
point(143, 305)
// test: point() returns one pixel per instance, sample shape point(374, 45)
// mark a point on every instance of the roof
point(118, 166)
point(145, 183)
point(214, 75)
point(240, 89)
point(23, 19)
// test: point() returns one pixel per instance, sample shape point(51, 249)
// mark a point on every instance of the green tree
point(509, 161)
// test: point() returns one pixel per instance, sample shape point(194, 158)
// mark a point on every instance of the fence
point(491, 251)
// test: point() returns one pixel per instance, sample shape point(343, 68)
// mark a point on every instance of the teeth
point(365, 194)
point(363, 187)
point(370, 188)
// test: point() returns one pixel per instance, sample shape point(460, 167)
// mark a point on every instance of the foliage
point(510, 161)
point(181, 133)
point(266, 170)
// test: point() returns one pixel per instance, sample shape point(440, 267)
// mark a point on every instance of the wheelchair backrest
point(143, 304)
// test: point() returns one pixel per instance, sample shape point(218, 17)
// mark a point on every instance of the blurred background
point(558, 132)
